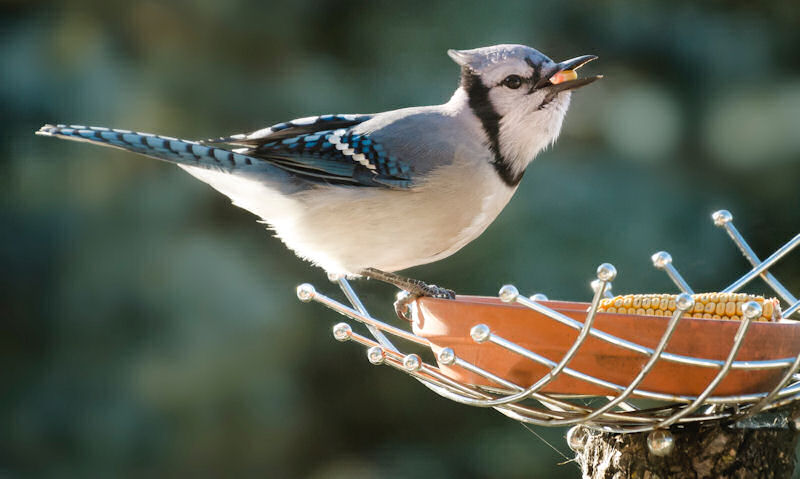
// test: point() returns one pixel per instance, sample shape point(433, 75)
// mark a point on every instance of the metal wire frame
point(618, 414)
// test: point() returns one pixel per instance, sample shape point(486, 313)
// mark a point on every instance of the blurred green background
point(150, 328)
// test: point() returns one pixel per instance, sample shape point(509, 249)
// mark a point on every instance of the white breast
point(344, 230)
point(349, 229)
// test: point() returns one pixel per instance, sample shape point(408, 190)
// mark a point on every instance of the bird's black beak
point(558, 78)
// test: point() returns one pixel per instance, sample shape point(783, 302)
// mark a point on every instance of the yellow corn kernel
point(720, 309)
point(710, 307)
point(730, 308)
point(663, 304)
point(768, 310)
point(563, 76)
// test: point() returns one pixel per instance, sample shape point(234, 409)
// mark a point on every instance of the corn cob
point(706, 305)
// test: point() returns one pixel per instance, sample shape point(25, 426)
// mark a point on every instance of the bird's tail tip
point(46, 130)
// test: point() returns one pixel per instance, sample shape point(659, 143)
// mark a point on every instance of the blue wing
point(325, 149)
point(296, 127)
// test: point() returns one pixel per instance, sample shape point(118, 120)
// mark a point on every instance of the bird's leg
point(414, 287)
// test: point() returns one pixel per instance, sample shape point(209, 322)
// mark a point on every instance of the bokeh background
point(151, 329)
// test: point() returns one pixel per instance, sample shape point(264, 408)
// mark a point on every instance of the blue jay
point(371, 194)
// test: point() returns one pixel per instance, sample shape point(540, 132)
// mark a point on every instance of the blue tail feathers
point(164, 148)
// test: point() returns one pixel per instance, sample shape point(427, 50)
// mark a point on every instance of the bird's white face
point(531, 117)
point(521, 97)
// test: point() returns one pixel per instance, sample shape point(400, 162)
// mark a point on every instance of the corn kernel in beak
point(562, 76)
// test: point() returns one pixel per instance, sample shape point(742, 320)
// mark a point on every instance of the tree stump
point(763, 447)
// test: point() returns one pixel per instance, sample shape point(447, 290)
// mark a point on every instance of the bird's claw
point(402, 306)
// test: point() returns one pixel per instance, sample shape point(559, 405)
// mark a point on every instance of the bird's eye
point(512, 81)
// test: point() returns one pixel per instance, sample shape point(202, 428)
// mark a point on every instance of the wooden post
point(764, 449)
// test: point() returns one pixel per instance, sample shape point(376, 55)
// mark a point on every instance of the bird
point(367, 195)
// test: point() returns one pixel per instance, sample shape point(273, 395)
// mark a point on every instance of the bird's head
point(520, 97)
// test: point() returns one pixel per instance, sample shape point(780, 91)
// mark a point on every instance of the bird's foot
point(402, 306)
point(433, 291)
point(412, 289)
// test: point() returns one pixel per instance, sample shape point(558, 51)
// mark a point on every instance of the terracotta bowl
point(447, 323)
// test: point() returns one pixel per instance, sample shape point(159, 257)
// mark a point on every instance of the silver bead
point(751, 309)
point(508, 293)
point(721, 217)
point(480, 333)
point(412, 362)
point(334, 277)
point(606, 272)
point(796, 423)
point(342, 331)
point(576, 438)
point(306, 292)
point(538, 297)
point(661, 259)
point(375, 355)
point(447, 356)
point(660, 442)
point(684, 302)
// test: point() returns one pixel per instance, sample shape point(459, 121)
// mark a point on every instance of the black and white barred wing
point(326, 149)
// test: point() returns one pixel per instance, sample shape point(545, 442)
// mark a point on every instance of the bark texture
point(715, 450)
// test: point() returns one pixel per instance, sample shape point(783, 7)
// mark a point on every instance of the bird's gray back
point(427, 138)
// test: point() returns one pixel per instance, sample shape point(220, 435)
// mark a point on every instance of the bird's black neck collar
point(478, 95)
